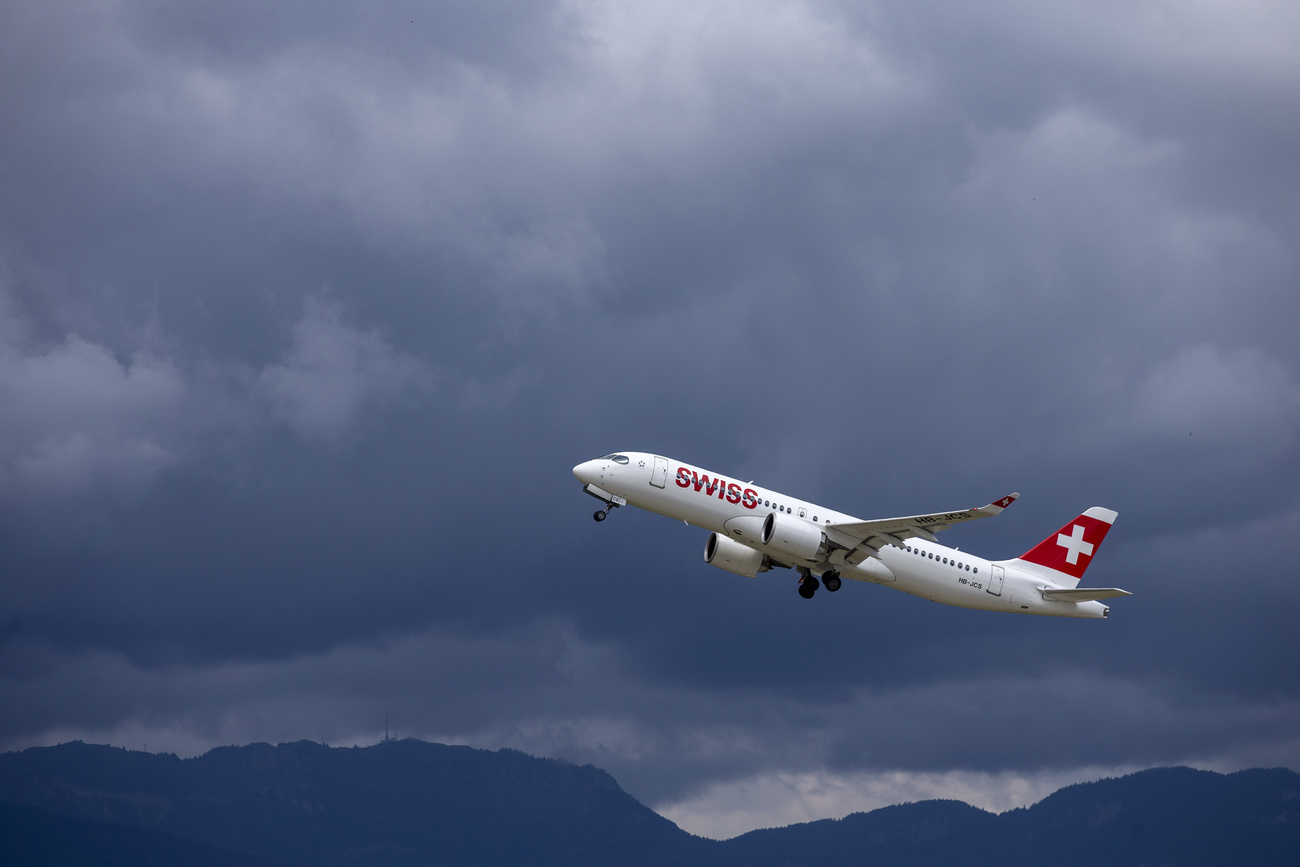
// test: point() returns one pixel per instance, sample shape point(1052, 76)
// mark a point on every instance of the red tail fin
point(1071, 549)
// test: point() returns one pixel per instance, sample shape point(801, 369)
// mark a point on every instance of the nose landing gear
point(610, 500)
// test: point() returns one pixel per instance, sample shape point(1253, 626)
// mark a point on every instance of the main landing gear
point(808, 582)
point(808, 585)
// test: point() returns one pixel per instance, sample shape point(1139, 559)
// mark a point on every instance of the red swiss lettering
point(729, 491)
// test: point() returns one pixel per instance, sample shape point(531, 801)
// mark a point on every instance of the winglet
point(997, 506)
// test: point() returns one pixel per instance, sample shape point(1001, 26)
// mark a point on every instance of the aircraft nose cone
point(585, 472)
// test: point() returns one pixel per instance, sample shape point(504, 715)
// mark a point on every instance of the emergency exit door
point(659, 476)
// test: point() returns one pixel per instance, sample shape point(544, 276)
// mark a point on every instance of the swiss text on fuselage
point(725, 490)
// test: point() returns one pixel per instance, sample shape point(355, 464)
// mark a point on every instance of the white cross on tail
point(1074, 545)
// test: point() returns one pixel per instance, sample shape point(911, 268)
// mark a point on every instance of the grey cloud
point(334, 373)
point(75, 417)
point(1240, 399)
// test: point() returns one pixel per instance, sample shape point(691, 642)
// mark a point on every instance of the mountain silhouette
point(409, 802)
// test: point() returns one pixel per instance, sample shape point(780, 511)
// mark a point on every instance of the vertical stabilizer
point(1068, 551)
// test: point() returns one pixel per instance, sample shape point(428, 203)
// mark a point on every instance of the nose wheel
point(608, 501)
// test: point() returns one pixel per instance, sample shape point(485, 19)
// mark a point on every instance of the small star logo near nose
point(641, 464)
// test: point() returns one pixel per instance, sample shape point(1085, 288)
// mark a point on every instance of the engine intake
point(793, 537)
point(734, 557)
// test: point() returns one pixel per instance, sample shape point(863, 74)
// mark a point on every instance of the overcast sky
point(308, 309)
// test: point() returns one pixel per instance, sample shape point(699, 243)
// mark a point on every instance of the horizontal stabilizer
point(1084, 594)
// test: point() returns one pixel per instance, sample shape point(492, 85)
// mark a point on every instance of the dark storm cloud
point(306, 312)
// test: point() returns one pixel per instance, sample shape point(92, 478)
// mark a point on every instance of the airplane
point(755, 529)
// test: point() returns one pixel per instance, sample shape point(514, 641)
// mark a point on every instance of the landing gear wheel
point(831, 580)
point(808, 585)
point(600, 516)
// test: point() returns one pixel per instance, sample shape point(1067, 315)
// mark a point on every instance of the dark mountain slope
point(1164, 816)
point(34, 838)
point(918, 835)
point(410, 802)
point(406, 802)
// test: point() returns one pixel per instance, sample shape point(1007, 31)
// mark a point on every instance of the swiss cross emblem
point(1004, 502)
point(1074, 545)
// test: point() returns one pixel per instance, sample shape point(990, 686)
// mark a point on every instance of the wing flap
point(1084, 594)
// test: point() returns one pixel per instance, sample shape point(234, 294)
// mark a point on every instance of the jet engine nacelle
point(734, 557)
point(793, 537)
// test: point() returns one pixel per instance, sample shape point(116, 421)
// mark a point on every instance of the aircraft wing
point(866, 538)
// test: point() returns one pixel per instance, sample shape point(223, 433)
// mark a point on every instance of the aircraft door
point(659, 476)
point(995, 581)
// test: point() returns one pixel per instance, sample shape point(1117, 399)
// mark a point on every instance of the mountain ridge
point(410, 802)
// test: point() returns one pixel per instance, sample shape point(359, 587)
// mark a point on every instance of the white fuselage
point(737, 510)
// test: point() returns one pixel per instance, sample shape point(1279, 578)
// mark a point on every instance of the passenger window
point(977, 570)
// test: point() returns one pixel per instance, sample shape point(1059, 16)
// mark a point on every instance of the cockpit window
point(618, 459)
